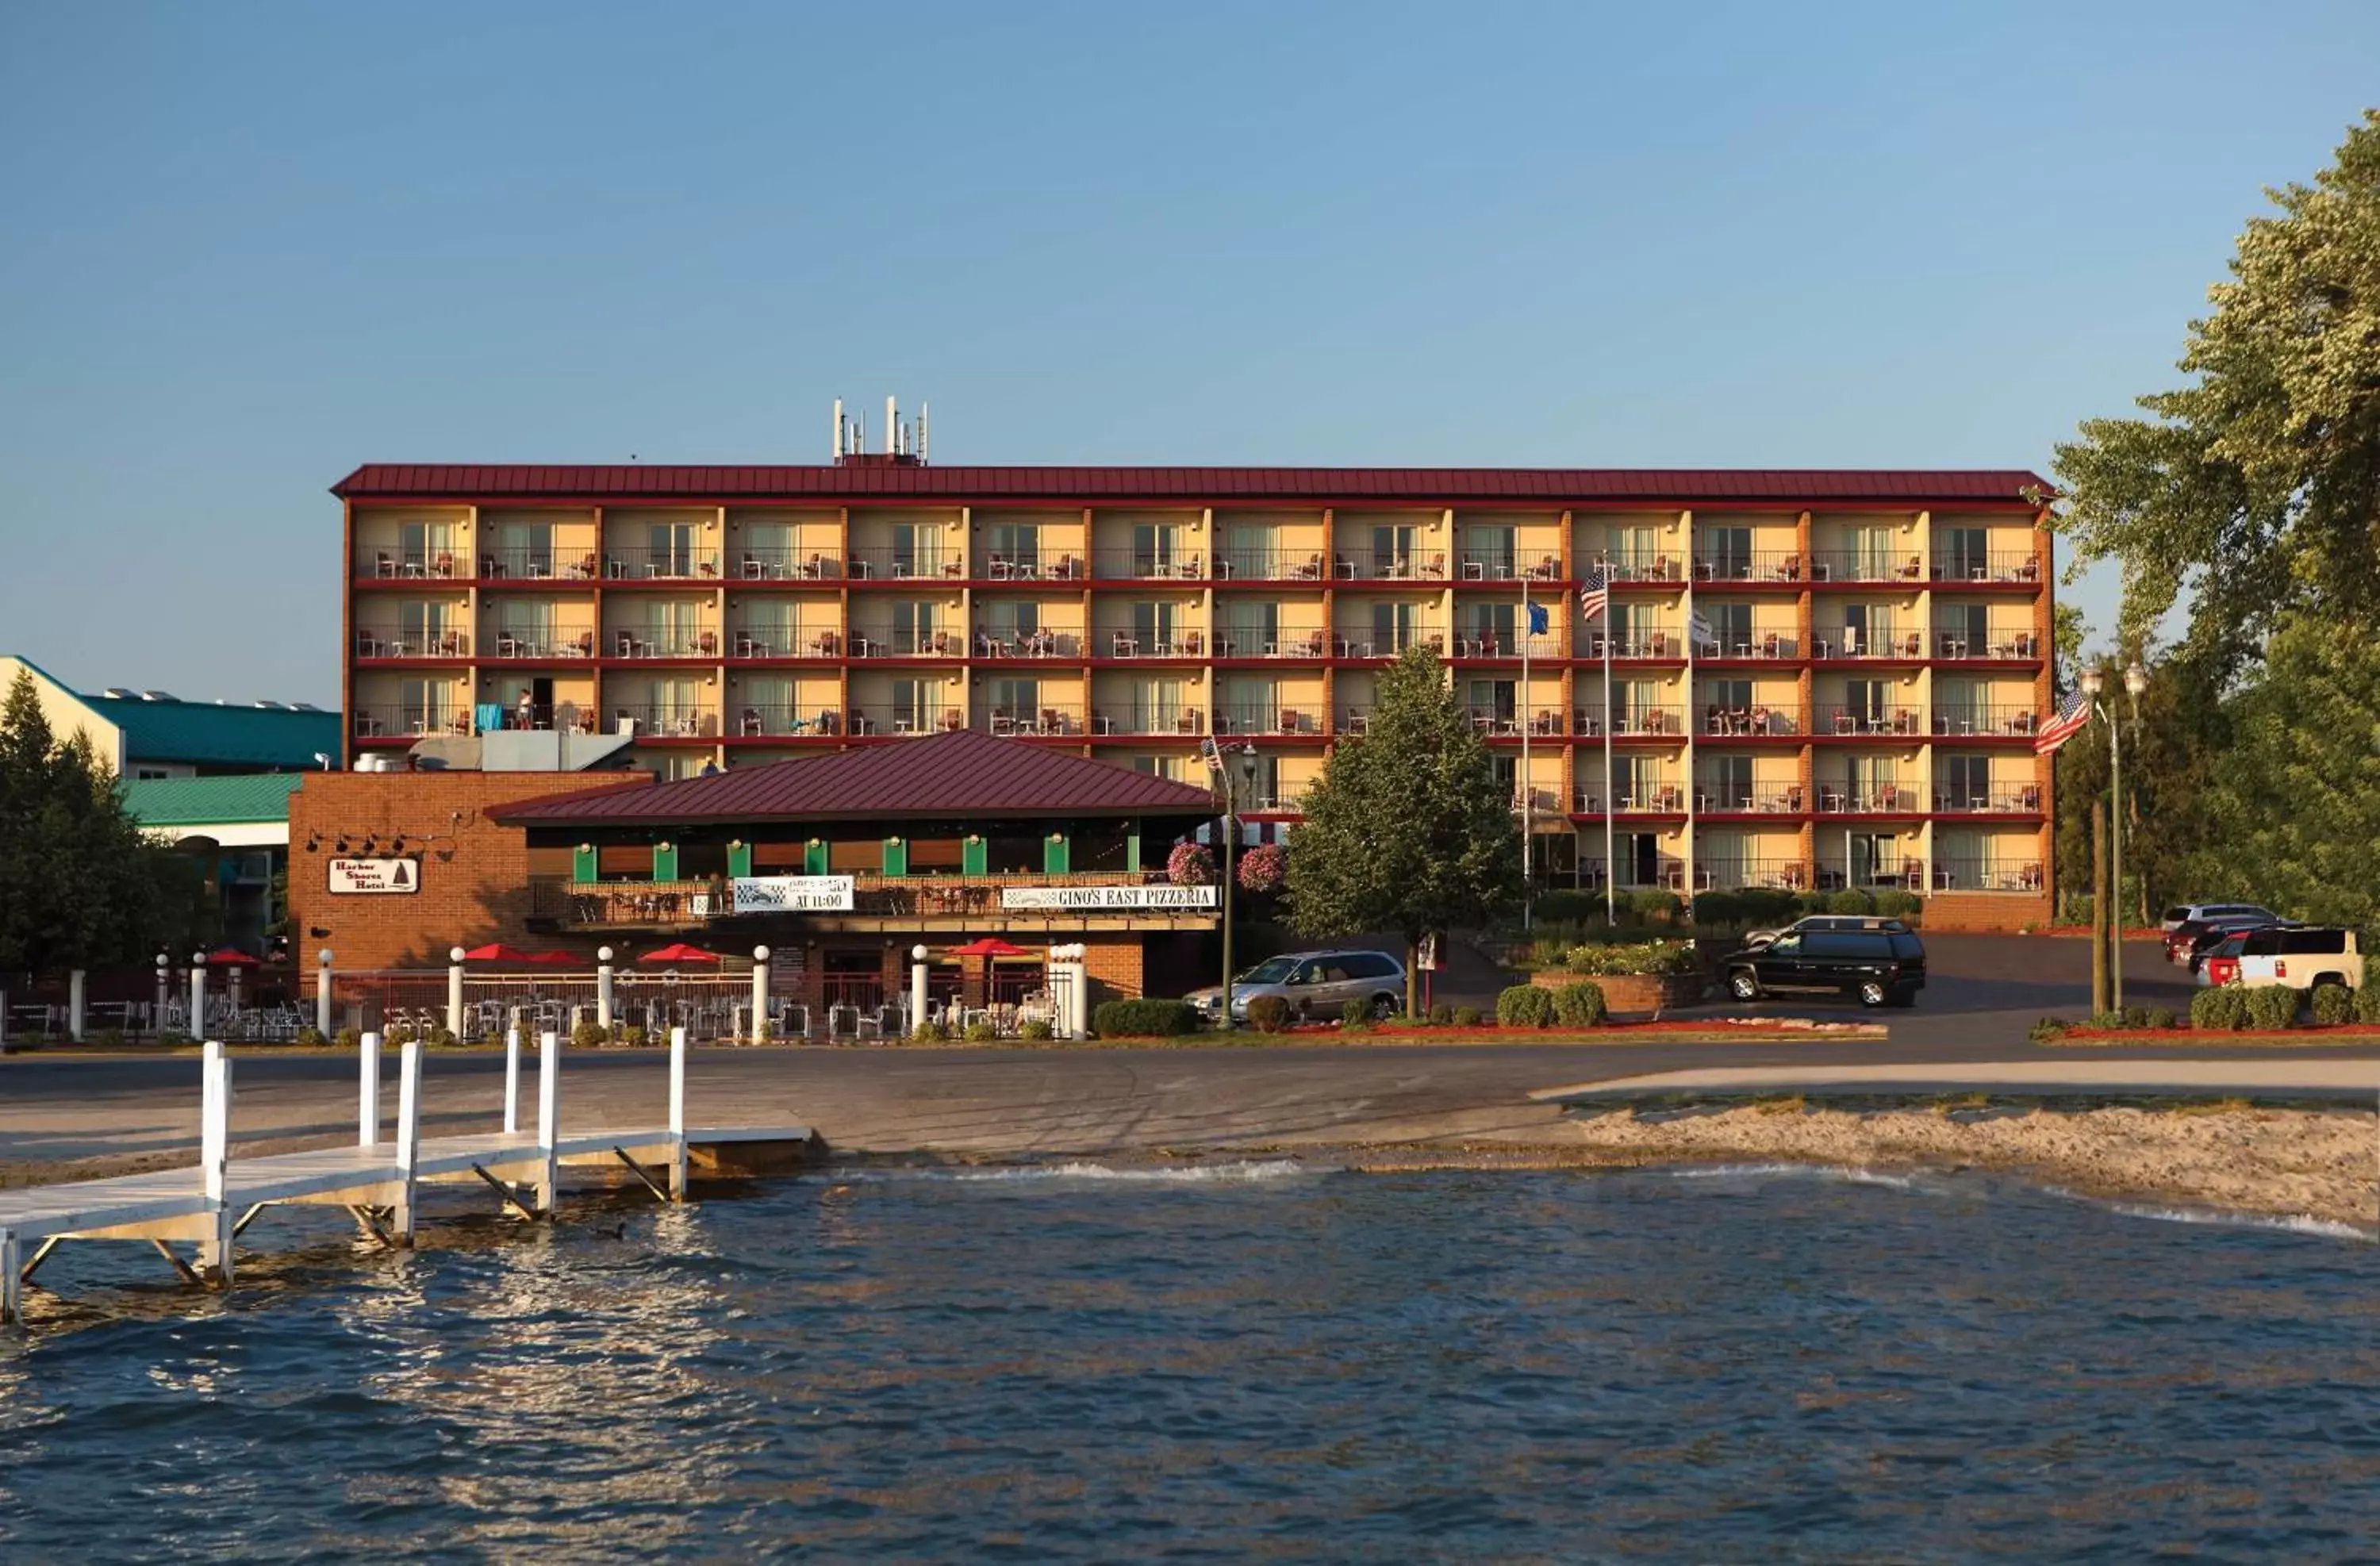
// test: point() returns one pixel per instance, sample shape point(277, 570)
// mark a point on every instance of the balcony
point(1480, 643)
point(788, 641)
point(2024, 801)
point(393, 720)
point(662, 641)
point(2019, 567)
point(380, 643)
point(1840, 641)
point(663, 720)
point(406, 565)
point(1053, 720)
point(908, 644)
point(1655, 570)
point(626, 564)
point(1423, 565)
point(1713, 798)
point(1133, 644)
point(1986, 722)
point(633, 904)
point(1867, 566)
point(1268, 719)
point(1271, 565)
point(787, 565)
point(1650, 644)
point(788, 721)
point(1171, 722)
point(1046, 566)
point(1648, 722)
point(1379, 642)
point(1759, 647)
point(1147, 565)
point(1749, 723)
point(1651, 799)
point(541, 644)
point(1986, 875)
point(1843, 721)
point(875, 718)
point(2016, 646)
point(1745, 875)
point(1025, 646)
point(1755, 568)
point(547, 564)
point(1494, 567)
point(1839, 797)
point(1245, 640)
point(1497, 722)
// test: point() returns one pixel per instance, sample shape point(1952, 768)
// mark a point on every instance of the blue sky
point(250, 246)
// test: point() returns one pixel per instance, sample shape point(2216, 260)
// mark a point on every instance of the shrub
point(2136, 1016)
point(1651, 904)
point(1037, 1031)
point(1269, 1014)
point(1190, 864)
point(2333, 1004)
point(1899, 905)
point(113, 1038)
point(589, 1033)
point(1568, 908)
point(981, 1032)
point(1466, 1017)
point(402, 1032)
point(307, 1039)
point(1719, 908)
point(929, 1033)
point(351, 1038)
point(2047, 1029)
point(2108, 1022)
point(2159, 1017)
point(1525, 1005)
point(1850, 900)
point(1441, 1015)
point(2221, 1010)
point(2273, 1007)
point(1144, 1019)
point(763, 1030)
point(1355, 1013)
point(2367, 1002)
point(634, 1037)
point(1633, 957)
point(1580, 1005)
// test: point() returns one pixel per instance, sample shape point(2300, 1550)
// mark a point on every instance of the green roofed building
point(154, 734)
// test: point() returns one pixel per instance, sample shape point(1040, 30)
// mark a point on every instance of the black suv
point(1883, 967)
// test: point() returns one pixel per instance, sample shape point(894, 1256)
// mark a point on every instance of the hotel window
point(1495, 700)
point(1720, 857)
point(1867, 700)
point(1867, 628)
point(913, 626)
point(1731, 624)
point(1728, 552)
point(1267, 792)
point(1017, 545)
point(1155, 549)
point(1013, 701)
point(421, 545)
point(769, 624)
point(1253, 549)
point(1395, 626)
point(1492, 623)
point(1635, 627)
point(770, 545)
point(1392, 551)
point(1640, 780)
point(674, 706)
point(1872, 553)
point(526, 625)
point(422, 629)
point(673, 628)
point(1958, 707)
point(1156, 706)
point(1255, 629)
point(913, 705)
point(428, 706)
point(1728, 696)
point(1152, 625)
point(1174, 769)
point(670, 549)
point(917, 549)
point(1875, 782)
point(1633, 702)
point(524, 549)
point(1961, 554)
point(1008, 619)
point(769, 703)
point(1728, 781)
point(1491, 550)
point(1636, 551)
point(1967, 781)
point(1875, 858)
point(1970, 624)
point(678, 765)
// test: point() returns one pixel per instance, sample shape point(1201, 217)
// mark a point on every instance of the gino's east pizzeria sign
point(375, 876)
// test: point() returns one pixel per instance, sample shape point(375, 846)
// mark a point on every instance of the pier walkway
point(378, 1180)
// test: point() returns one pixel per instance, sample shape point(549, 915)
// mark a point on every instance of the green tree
point(1408, 829)
point(2255, 488)
point(2170, 733)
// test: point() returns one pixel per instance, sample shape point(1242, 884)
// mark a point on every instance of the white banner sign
point(375, 875)
point(1092, 899)
point(792, 895)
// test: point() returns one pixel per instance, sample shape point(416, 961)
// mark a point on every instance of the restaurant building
point(1816, 678)
point(840, 864)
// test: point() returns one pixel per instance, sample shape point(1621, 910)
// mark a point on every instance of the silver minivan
point(1318, 985)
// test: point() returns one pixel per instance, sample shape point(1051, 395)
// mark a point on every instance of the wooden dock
point(378, 1180)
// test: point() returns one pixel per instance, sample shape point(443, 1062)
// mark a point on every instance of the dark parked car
point(2193, 939)
point(1883, 967)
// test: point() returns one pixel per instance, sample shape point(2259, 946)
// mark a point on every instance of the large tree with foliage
point(79, 885)
point(1408, 829)
point(2256, 487)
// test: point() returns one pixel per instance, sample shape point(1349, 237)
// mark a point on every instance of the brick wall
point(1985, 911)
point(474, 873)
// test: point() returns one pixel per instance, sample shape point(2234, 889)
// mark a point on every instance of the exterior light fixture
point(2136, 679)
point(2090, 683)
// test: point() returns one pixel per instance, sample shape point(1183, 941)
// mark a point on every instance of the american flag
point(2073, 716)
point(1595, 590)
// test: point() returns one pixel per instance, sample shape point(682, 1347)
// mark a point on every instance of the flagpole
point(1528, 876)
point(1610, 783)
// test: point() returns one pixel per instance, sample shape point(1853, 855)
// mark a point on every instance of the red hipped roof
point(396, 480)
point(964, 772)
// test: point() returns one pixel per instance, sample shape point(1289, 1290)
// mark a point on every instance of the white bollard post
point(215, 1161)
point(512, 1078)
point(368, 1092)
point(73, 1005)
point(603, 988)
point(12, 1282)
point(323, 993)
point(408, 1138)
point(677, 1114)
point(198, 994)
point(916, 987)
point(454, 993)
point(549, 1116)
point(164, 983)
point(759, 992)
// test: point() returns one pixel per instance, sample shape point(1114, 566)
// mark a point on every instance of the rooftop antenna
point(838, 429)
point(891, 426)
point(921, 431)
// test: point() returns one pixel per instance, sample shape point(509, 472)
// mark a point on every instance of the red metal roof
point(399, 481)
point(964, 772)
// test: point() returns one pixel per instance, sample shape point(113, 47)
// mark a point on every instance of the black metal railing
point(390, 641)
point(626, 564)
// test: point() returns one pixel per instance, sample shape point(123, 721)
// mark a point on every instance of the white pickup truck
point(2301, 958)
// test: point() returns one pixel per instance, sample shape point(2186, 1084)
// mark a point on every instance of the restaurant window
point(849, 857)
point(1098, 846)
point(1008, 854)
point(700, 861)
point(936, 855)
point(623, 861)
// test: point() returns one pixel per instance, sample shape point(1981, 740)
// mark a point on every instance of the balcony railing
point(1650, 644)
point(621, 563)
point(1713, 798)
point(1655, 800)
point(1840, 798)
point(1841, 720)
point(1844, 641)
point(1748, 723)
point(1421, 565)
point(2005, 722)
point(1130, 719)
point(542, 642)
point(1477, 643)
point(1759, 644)
point(1143, 566)
point(1244, 640)
point(1063, 720)
point(1134, 644)
point(1756, 567)
point(785, 720)
point(1497, 723)
point(880, 643)
point(1492, 567)
point(650, 721)
point(392, 720)
point(1985, 875)
point(1999, 802)
point(1359, 641)
point(876, 717)
point(1737, 875)
point(2011, 645)
point(1285, 718)
point(788, 641)
point(1044, 643)
point(1537, 801)
point(411, 565)
point(2013, 566)
point(628, 905)
point(1272, 566)
point(1043, 565)
point(1656, 567)
point(787, 565)
point(537, 564)
point(389, 641)
point(1868, 566)
point(661, 641)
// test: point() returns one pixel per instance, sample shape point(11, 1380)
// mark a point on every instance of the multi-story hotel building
point(1862, 708)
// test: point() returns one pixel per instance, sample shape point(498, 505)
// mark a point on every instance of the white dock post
point(215, 1161)
point(549, 1116)
point(73, 1005)
point(164, 983)
point(454, 991)
point(323, 993)
point(512, 1078)
point(409, 1137)
point(916, 987)
point(759, 992)
point(368, 1092)
point(677, 1114)
point(603, 987)
point(198, 994)
point(12, 1283)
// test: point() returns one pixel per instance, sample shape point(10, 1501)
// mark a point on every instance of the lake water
point(1258, 1361)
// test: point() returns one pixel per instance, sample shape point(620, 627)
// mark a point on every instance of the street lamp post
point(2136, 680)
point(1243, 762)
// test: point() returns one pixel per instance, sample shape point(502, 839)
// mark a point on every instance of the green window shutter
point(1131, 847)
point(896, 856)
point(974, 856)
point(582, 863)
point(1053, 855)
point(740, 861)
point(814, 860)
point(665, 861)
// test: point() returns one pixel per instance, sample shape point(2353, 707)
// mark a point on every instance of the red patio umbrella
point(989, 946)
point(679, 951)
point(232, 957)
point(556, 959)
point(496, 952)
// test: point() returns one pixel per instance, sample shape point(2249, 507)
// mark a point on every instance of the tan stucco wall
point(65, 711)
